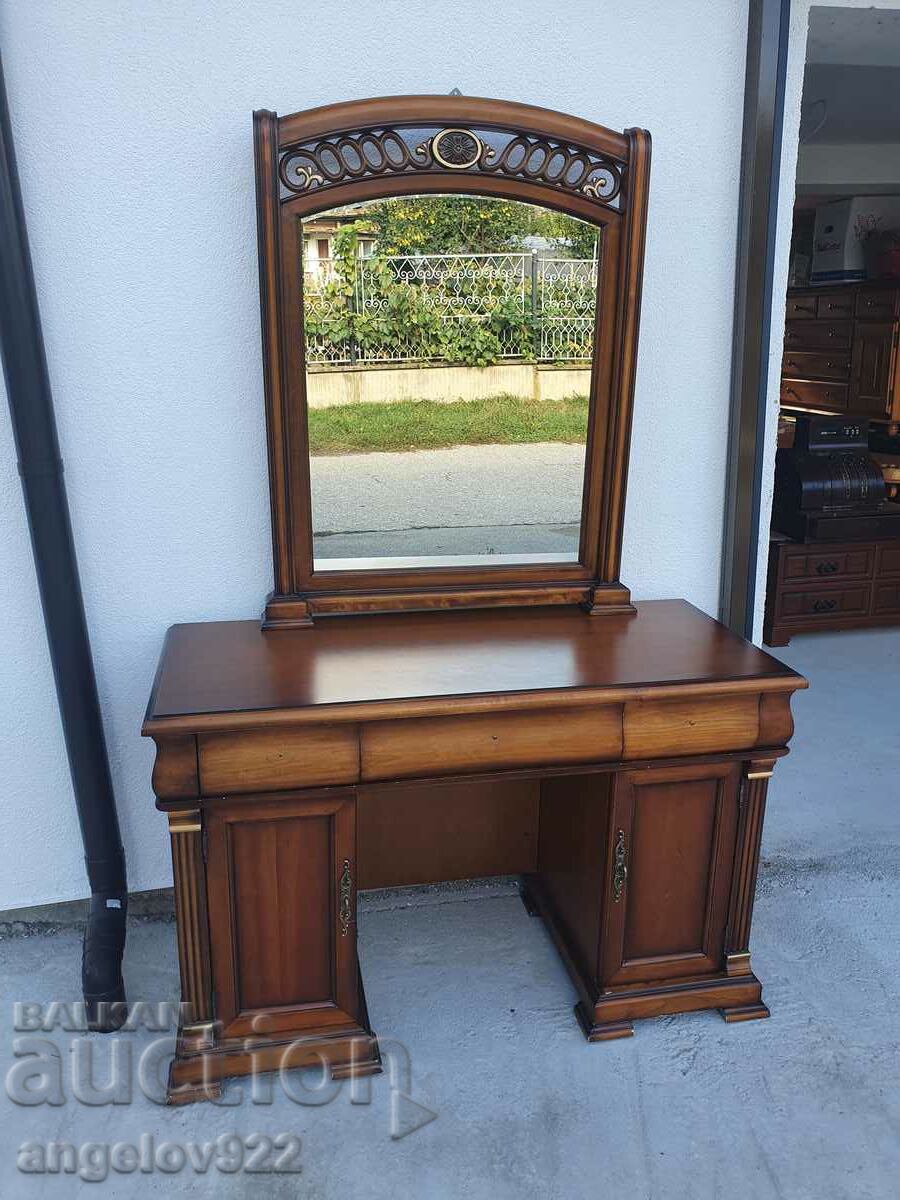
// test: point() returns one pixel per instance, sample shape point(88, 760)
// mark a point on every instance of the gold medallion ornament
point(456, 148)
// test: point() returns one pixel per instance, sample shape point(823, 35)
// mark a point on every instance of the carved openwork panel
point(319, 164)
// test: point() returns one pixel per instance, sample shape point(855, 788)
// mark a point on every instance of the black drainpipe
point(37, 446)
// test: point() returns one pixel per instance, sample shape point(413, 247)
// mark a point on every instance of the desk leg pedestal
point(265, 896)
point(675, 852)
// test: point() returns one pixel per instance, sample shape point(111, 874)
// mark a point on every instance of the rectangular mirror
point(448, 350)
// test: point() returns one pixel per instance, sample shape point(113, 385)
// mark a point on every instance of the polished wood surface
point(227, 674)
point(678, 828)
point(434, 832)
point(279, 947)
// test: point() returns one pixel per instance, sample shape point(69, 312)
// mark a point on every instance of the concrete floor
point(804, 1105)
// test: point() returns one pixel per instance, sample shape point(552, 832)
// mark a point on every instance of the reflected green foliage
point(402, 305)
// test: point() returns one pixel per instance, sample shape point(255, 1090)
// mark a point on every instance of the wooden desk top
point(230, 674)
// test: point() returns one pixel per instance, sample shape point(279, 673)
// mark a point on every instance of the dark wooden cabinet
point(676, 852)
point(840, 351)
point(281, 872)
point(872, 370)
point(827, 585)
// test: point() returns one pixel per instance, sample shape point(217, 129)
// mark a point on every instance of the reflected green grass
point(430, 425)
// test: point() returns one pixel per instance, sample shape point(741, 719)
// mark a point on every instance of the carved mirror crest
point(450, 292)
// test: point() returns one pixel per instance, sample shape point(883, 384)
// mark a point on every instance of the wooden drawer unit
point(843, 335)
point(818, 335)
point(803, 393)
point(849, 601)
point(430, 746)
point(888, 560)
point(880, 305)
point(886, 599)
point(260, 759)
point(834, 305)
point(829, 565)
point(819, 586)
point(801, 307)
point(805, 364)
point(677, 727)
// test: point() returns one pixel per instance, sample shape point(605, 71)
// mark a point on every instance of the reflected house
point(318, 242)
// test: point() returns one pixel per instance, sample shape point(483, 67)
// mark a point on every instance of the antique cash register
point(450, 679)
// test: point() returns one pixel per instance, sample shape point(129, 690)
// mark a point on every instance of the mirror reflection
point(448, 356)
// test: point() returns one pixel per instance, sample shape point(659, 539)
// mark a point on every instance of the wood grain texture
point(437, 832)
point(752, 809)
point(573, 837)
point(265, 144)
point(677, 828)
point(227, 675)
point(379, 111)
point(654, 728)
point(278, 954)
point(191, 916)
point(270, 759)
point(477, 742)
point(175, 772)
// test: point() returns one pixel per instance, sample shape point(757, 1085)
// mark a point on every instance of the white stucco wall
point(133, 131)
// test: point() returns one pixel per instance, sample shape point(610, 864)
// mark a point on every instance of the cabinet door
point(282, 901)
point(872, 370)
point(671, 855)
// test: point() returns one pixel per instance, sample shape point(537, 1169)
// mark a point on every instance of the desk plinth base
point(202, 1063)
point(736, 998)
point(200, 1076)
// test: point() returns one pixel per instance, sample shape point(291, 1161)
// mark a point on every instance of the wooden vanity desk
point(620, 765)
point(450, 680)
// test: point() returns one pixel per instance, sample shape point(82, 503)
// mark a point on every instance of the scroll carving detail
point(318, 165)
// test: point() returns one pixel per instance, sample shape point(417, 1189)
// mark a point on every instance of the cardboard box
point(840, 233)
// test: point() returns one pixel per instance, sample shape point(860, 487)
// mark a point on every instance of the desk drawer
point(886, 599)
point(803, 364)
point(261, 760)
point(833, 305)
point(802, 393)
point(888, 560)
point(818, 335)
point(828, 565)
point(658, 728)
point(852, 600)
point(876, 305)
point(426, 746)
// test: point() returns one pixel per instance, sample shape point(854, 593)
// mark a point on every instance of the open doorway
point(834, 560)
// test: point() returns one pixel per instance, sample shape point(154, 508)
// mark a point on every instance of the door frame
point(776, 58)
point(761, 152)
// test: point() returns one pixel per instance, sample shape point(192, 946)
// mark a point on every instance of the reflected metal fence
point(447, 308)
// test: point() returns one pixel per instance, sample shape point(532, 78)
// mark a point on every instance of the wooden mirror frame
point(343, 153)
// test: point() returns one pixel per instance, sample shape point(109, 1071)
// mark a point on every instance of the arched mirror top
point(392, 137)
